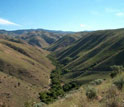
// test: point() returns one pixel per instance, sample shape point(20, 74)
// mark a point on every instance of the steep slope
point(39, 37)
point(97, 50)
point(15, 92)
point(65, 41)
point(25, 71)
point(107, 95)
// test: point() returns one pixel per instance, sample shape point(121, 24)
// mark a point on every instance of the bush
point(56, 89)
point(112, 98)
point(119, 82)
point(44, 97)
point(113, 103)
point(64, 71)
point(113, 74)
point(26, 104)
point(116, 70)
point(66, 60)
point(70, 86)
point(91, 93)
point(97, 82)
point(39, 105)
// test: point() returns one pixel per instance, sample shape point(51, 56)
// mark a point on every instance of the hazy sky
point(67, 15)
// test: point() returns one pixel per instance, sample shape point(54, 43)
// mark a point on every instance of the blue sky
point(66, 15)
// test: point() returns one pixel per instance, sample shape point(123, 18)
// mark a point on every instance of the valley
point(53, 68)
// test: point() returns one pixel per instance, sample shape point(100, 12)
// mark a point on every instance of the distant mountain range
point(39, 37)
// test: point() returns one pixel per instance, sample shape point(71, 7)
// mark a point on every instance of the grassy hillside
point(82, 58)
point(107, 96)
point(15, 92)
point(98, 50)
point(25, 71)
point(38, 37)
point(98, 93)
point(94, 52)
point(65, 41)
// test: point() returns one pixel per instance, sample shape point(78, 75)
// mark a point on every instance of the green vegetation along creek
point(58, 88)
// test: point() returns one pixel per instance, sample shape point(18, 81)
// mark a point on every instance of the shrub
point(44, 97)
point(82, 102)
point(119, 82)
point(41, 104)
point(97, 82)
point(27, 104)
point(70, 86)
point(56, 89)
point(91, 93)
point(113, 103)
point(116, 70)
point(113, 74)
point(64, 71)
point(112, 99)
point(66, 87)
point(66, 60)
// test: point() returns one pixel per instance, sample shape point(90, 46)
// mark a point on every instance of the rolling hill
point(107, 96)
point(38, 37)
point(85, 55)
point(65, 41)
point(95, 51)
point(24, 72)
point(89, 59)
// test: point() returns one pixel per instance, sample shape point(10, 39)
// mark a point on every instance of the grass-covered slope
point(65, 41)
point(98, 93)
point(38, 37)
point(98, 50)
point(15, 92)
point(107, 95)
point(24, 72)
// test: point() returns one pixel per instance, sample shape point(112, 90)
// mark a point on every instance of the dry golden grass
point(107, 96)
point(22, 77)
